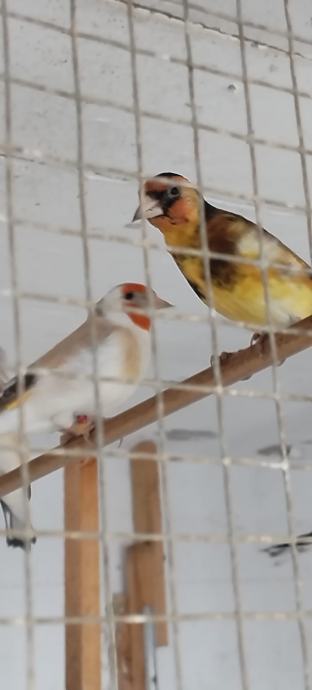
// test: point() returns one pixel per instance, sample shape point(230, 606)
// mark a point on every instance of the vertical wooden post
point(82, 579)
point(123, 645)
point(144, 571)
point(149, 555)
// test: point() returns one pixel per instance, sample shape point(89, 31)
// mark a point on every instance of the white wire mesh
point(135, 88)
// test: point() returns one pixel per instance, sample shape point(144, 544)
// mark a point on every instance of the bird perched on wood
point(174, 206)
point(58, 387)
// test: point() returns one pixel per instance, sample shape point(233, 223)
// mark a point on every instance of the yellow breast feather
point(243, 299)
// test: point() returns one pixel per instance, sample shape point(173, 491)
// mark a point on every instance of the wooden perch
point(238, 366)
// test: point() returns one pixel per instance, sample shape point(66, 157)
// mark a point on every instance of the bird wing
point(5, 373)
point(56, 357)
point(238, 289)
point(248, 245)
point(10, 397)
point(80, 339)
point(289, 291)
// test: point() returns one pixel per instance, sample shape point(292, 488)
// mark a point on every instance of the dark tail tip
point(24, 544)
point(302, 544)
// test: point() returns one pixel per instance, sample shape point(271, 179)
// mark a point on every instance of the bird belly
point(239, 295)
point(124, 370)
point(115, 383)
point(289, 298)
point(112, 395)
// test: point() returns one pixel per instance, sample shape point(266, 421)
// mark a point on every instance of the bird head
point(131, 300)
point(172, 204)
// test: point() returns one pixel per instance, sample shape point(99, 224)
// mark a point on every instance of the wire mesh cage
point(167, 551)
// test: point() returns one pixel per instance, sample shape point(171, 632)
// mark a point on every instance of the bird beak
point(163, 304)
point(148, 208)
point(137, 215)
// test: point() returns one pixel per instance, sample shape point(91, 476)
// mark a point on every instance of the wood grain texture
point(144, 571)
point(148, 558)
point(123, 644)
point(82, 578)
point(237, 367)
point(134, 605)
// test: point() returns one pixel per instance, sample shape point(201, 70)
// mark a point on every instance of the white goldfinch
point(58, 388)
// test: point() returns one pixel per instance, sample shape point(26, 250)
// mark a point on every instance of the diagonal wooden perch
point(239, 366)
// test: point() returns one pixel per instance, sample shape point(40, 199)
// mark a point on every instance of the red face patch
point(140, 320)
point(131, 290)
point(133, 287)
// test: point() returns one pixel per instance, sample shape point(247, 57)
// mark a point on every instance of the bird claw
point(261, 341)
point(82, 426)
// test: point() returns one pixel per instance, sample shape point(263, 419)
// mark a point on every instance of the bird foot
point(82, 426)
point(261, 343)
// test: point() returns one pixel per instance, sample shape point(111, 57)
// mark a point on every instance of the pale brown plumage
point(59, 386)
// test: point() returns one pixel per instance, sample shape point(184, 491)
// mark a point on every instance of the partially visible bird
point(302, 543)
point(5, 372)
point(173, 205)
point(58, 387)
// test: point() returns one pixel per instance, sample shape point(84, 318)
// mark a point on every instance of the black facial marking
point(157, 195)
point(170, 196)
point(173, 192)
point(129, 296)
point(165, 197)
point(167, 174)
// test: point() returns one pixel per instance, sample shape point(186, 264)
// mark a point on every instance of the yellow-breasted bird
point(174, 206)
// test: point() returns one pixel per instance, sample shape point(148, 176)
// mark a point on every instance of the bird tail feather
point(13, 505)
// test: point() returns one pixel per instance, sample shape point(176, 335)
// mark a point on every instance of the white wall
point(50, 263)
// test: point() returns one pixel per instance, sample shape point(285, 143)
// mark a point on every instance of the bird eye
point(129, 295)
point(173, 192)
